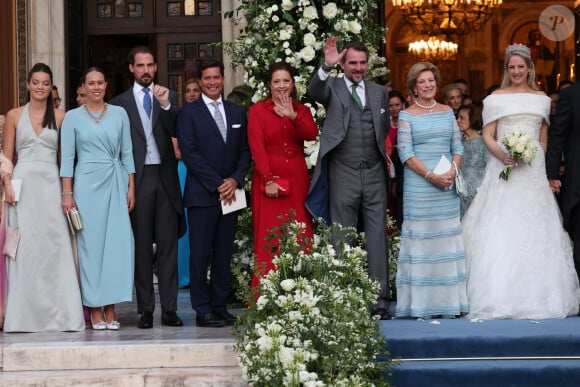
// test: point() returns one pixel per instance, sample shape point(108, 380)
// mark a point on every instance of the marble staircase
point(161, 356)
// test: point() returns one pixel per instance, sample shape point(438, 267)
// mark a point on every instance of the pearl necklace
point(96, 119)
point(430, 107)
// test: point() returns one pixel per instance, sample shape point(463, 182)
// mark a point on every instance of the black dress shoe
point(383, 314)
point(170, 318)
point(145, 321)
point(210, 320)
point(227, 316)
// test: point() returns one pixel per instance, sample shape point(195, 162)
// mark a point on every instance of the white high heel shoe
point(99, 326)
point(113, 325)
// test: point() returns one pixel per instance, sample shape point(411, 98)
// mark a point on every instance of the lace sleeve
point(456, 144)
point(405, 141)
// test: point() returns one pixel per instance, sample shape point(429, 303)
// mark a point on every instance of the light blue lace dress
point(431, 275)
point(473, 165)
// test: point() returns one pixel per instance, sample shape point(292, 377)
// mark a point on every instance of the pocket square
point(383, 111)
point(235, 126)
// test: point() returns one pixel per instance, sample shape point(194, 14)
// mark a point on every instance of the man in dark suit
point(350, 177)
point(214, 147)
point(158, 216)
point(564, 142)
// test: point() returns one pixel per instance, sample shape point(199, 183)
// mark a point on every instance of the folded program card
point(442, 166)
point(238, 204)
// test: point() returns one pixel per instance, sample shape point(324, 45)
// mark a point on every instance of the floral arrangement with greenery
point(311, 308)
point(294, 31)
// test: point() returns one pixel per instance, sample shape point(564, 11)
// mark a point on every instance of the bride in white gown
point(519, 258)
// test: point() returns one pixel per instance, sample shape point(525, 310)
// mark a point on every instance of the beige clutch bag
point(74, 219)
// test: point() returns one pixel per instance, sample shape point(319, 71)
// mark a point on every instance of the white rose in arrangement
point(288, 285)
point(286, 355)
point(294, 315)
point(329, 10)
point(354, 27)
point(528, 155)
point(310, 13)
point(520, 147)
point(309, 39)
point(307, 53)
point(275, 19)
point(287, 5)
point(284, 34)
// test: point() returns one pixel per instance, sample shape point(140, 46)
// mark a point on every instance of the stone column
point(230, 32)
point(47, 41)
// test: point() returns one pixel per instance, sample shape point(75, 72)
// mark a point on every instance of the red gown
point(277, 147)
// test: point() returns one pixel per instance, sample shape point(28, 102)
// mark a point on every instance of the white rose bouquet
point(521, 146)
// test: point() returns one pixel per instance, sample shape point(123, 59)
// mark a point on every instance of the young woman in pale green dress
point(43, 288)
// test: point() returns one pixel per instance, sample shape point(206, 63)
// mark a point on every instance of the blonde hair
point(523, 52)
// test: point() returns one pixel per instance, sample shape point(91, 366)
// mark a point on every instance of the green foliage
point(311, 308)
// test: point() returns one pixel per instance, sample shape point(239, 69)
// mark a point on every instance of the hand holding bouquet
point(520, 146)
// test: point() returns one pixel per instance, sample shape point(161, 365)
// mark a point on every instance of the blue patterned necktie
point(147, 101)
point(219, 120)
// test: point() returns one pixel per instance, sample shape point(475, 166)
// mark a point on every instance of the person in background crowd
point(519, 258)
point(43, 289)
point(277, 129)
point(192, 93)
point(566, 83)
point(431, 275)
point(475, 154)
point(158, 216)
point(350, 181)
point(463, 85)
point(395, 201)
point(81, 95)
point(212, 135)
point(453, 97)
point(563, 162)
point(55, 97)
point(6, 167)
point(100, 183)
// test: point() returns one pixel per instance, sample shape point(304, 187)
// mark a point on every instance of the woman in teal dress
point(192, 93)
point(431, 275)
point(98, 135)
point(475, 154)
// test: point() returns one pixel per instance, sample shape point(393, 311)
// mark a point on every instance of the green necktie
point(355, 95)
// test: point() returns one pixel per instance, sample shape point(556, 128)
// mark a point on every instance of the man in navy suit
point(158, 216)
point(214, 147)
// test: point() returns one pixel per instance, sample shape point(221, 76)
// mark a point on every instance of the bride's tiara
point(517, 48)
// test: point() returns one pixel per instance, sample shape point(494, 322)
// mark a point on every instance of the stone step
point(150, 377)
point(54, 356)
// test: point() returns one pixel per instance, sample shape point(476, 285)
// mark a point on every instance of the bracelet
point(67, 193)
point(326, 68)
point(427, 175)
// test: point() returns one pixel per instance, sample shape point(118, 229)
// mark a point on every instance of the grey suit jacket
point(336, 98)
point(164, 128)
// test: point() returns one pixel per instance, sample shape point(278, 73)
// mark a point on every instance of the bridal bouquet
point(521, 146)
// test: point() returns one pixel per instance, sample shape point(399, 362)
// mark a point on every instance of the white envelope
point(236, 205)
point(442, 166)
point(16, 187)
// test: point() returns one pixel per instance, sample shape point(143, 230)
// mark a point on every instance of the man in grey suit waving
point(158, 216)
point(350, 177)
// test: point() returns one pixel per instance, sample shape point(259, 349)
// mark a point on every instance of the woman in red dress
point(277, 129)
